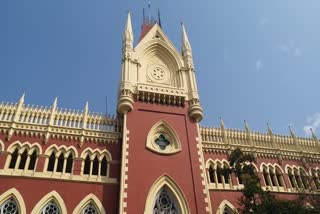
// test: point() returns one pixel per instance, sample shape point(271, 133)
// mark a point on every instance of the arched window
point(32, 162)
point(60, 163)
point(51, 208)
point(90, 209)
point(23, 159)
point(227, 210)
point(14, 157)
point(9, 207)
point(266, 176)
point(219, 173)
point(69, 163)
point(165, 203)
point(211, 174)
point(292, 178)
point(104, 166)
point(226, 176)
point(304, 178)
point(298, 178)
point(87, 164)
point(273, 177)
point(279, 177)
point(52, 160)
point(95, 166)
point(315, 178)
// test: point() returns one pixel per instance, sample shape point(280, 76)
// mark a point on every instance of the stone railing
point(223, 139)
point(53, 121)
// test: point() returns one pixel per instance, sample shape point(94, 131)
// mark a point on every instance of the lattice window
point(90, 209)
point(165, 203)
point(51, 208)
point(9, 207)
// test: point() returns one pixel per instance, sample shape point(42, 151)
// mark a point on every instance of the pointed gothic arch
point(162, 131)
point(16, 196)
point(226, 205)
point(91, 198)
point(166, 183)
point(51, 196)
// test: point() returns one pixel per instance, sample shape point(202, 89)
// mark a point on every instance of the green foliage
point(255, 200)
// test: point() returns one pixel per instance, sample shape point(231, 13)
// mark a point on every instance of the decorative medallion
point(158, 73)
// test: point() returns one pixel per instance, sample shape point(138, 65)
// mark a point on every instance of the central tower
point(161, 151)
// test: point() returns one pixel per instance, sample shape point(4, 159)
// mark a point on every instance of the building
point(153, 157)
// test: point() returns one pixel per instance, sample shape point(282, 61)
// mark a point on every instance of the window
point(218, 175)
point(32, 162)
point(52, 160)
point(165, 203)
point(51, 208)
point(87, 163)
point(211, 174)
point(23, 159)
point(90, 209)
point(9, 207)
point(14, 157)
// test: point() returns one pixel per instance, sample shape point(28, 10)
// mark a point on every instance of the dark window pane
point(23, 159)
point(32, 162)
point(14, 157)
point(95, 167)
point(52, 160)
point(60, 163)
point(86, 170)
point(69, 164)
point(104, 167)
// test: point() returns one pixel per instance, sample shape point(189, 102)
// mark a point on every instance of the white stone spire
point(55, 102)
point(128, 33)
point(22, 98)
point(185, 46)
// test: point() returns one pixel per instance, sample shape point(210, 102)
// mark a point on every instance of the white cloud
point(313, 122)
point(290, 47)
point(259, 65)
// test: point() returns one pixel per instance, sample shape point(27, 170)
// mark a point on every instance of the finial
point(291, 131)
point(55, 102)
point(269, 129)
point(86, 108)
point(221, 123)
point(313, 134)
point(246, 126)
point(149, 15)
point(128, 33)
point(159, 19)
point(22, 98)
point(186, 47)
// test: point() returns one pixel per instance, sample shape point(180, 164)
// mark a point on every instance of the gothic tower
point(161, 150)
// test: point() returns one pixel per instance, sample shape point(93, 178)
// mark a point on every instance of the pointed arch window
point(228, 210)
point(9, 207)
point(95, 166)
point(211, 174)
point(60, 163)
point(52, 160)
point(87, 163)
point(162, 139)
point(14, 157)
point(23, 159)
point(33, 158)
point(69, 163)
point(165, 203)
point(104, 166)
point(51, 208)
point(90, 209)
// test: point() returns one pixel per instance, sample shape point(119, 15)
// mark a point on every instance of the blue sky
point(255, 60)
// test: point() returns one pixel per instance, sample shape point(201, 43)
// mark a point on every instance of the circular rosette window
point(158, 73)
point(162, 139)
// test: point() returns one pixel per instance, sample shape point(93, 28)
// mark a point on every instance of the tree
point(255, 200)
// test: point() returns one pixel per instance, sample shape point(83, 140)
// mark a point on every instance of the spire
point(292, 132)
point(221, 123)
point(55, 102)
point(86, 108)
point(149, 14)
point(128, 33)
point(22, 98)
point(159, 19)
point(246, 126)
point(186, 47)
point(314, 136)
point(269, 129)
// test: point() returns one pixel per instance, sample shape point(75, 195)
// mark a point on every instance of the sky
point(257, 61)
